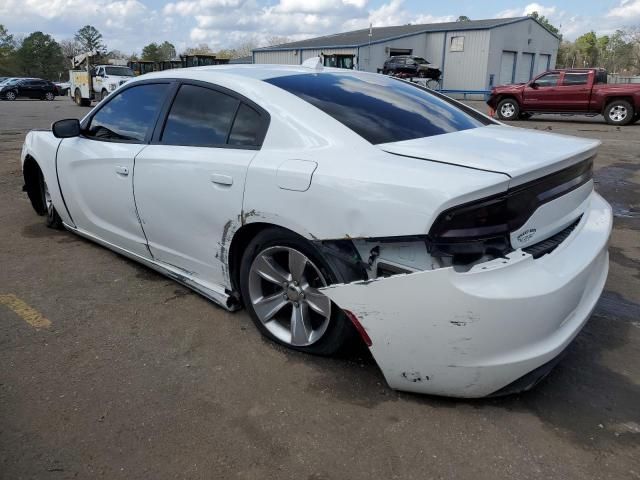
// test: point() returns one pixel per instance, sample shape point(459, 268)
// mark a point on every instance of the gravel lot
point(137, 377)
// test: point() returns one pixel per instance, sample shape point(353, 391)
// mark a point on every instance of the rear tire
point(81, 102)
point(49, 96)
point(276, 252)
point(619, 112)
point(508, 109)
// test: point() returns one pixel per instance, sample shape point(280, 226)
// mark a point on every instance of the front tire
point(103, 95)
point(49, 96)
point(619, 112)
point(10, 95)
point(53, 220)
point(280, 275)
point(508, 109)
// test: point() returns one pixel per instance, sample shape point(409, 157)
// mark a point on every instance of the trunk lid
point(520, 153)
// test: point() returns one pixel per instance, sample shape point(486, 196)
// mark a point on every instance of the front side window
point(575, 78)
point(130, 115)
point(199, 117)
point(378, 108)
point(548, 80)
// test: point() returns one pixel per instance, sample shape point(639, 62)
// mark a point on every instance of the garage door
point(543, 63)
point(506, 67)
point(525, 68)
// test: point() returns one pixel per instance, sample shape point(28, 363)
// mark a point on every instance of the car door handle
point(120, 170)
point(221, 179)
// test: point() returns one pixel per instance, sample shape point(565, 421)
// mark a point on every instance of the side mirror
point(67, 128)
point(533, 85)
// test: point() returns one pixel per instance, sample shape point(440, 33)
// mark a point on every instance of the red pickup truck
point(577, 91)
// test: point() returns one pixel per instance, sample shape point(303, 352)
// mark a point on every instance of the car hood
point(520, 153)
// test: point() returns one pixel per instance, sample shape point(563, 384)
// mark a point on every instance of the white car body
point(434, 328)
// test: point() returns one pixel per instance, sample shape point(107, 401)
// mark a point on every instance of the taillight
point(483, 227)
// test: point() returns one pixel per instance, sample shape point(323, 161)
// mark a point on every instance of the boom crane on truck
point(94, 82)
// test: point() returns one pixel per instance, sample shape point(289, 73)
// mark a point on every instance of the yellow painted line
point(24, 311)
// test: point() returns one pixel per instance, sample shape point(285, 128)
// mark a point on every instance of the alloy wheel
point(618, 113)
point(49, 96)
point(10, 95)
point(47, 197)
point(283, 290)
point(508, 110)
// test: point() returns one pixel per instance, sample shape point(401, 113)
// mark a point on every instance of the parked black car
point(408, 65)
point(29, 88)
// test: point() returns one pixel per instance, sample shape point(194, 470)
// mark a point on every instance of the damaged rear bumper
point(470, 334)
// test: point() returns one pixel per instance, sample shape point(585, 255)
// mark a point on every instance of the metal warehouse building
point(473, 55)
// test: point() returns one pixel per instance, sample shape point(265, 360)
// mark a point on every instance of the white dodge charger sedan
point(330, 203)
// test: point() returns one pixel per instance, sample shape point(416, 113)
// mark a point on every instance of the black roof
point(359, 38)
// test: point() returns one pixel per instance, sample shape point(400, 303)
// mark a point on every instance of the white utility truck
point(95, 82)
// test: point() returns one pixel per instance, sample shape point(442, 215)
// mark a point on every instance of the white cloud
point(128, 25)
point(216, 22)
point(628, 10)
point(530, 8)
point(625, 13)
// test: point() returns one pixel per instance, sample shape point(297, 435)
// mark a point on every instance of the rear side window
point(130, 115)
point(378, 108)
point(199, 117)
point(247, 127)
point(573, 78)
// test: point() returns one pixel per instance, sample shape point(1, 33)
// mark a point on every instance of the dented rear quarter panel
point(468, 334)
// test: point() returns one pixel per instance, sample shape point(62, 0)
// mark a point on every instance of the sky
point(128, 25)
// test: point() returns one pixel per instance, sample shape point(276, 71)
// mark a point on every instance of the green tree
point(167, 51)
point(587, 45)
point(202, 48)
point(619, 52)
point(7, 44)
point(151, 52)
point(90, 39)
point(545, 22)
point(40, 56)
point(568, 55)
point(463, 18)
point(7, 52)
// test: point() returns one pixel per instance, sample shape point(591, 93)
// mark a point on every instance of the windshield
point(380, 109)
point(119, 71)
point(10, 81)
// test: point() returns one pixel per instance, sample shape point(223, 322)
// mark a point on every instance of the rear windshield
point(379, 108)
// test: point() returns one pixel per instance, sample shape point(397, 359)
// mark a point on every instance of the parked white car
point(467, 254)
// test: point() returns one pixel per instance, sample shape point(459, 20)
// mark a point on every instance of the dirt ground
point(137, 377)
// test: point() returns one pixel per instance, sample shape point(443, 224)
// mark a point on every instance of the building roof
point(359, 38)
